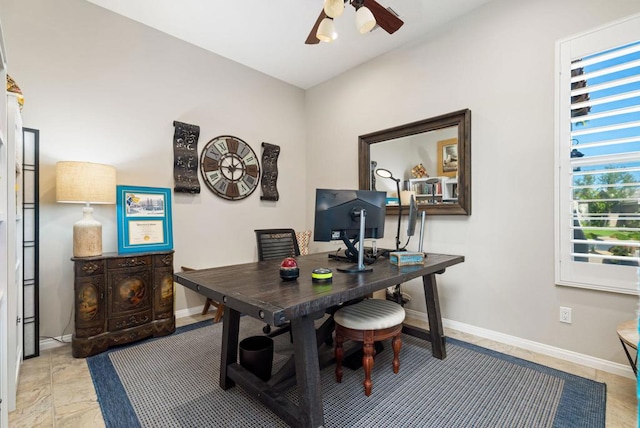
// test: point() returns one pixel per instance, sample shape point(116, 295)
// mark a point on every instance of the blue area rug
point(173, 382)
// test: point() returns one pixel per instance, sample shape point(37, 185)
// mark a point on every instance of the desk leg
point(307, 372)
point(229, 354)
point(435, 318)
point(632, 361)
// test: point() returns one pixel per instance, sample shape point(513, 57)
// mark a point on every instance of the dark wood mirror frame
point(461, 119)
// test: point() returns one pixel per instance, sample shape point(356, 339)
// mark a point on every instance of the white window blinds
point(598, 159)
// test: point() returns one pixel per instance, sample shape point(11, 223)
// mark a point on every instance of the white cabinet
point(445, 190)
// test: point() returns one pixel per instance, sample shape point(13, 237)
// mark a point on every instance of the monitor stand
point(360, 267)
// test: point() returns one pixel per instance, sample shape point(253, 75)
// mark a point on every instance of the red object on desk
point(289, 269)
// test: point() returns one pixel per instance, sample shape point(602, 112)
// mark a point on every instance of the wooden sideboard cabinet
point(120, 299)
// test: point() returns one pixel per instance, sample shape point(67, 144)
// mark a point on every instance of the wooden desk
point(255, 289)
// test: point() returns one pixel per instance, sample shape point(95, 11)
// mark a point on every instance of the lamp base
point(87, 235)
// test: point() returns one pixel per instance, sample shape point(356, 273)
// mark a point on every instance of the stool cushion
point(370, 314)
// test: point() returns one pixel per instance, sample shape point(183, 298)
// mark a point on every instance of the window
point(598, 158)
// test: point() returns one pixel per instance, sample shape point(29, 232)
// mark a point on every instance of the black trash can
point(256, 355)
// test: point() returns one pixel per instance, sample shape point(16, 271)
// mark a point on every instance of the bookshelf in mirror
point(446, 190)
point(121, 299)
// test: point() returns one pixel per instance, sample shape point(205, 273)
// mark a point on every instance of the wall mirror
point(431, 158)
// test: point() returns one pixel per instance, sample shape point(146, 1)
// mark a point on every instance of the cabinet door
point(163, 289)
point(90, 306)
point(129, 295)
point(163, 286)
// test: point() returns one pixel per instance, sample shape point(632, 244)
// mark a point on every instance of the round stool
point(368, 321)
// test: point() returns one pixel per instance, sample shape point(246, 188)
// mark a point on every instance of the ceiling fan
point(368, 14)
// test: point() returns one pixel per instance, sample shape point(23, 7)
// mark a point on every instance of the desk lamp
point(88, 183)
point(433, 182)
point(396, 294)
point(385, 173)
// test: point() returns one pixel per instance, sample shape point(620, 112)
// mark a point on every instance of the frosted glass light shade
point(365, 20)
point(333, 8)
point(85, 182)
point(326, 31)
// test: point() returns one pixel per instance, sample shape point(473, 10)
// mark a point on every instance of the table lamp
point(87, 183)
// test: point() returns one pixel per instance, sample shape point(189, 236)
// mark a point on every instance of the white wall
point(497, 61)
point(105, 89)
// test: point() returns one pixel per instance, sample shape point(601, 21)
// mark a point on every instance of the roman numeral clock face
point(230, 167)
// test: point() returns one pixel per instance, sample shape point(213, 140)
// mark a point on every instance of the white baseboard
point(197, 310)
point(54, 342)
point(540, 348)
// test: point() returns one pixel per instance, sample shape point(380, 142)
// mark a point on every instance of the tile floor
point(56, 390)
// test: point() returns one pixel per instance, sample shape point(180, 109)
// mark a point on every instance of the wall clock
point(229, 167)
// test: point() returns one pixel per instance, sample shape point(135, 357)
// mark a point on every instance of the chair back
point(276, 244)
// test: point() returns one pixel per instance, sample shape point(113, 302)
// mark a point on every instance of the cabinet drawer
point(163, 260)
point(129, 262)
point(129, 321)
point(88, 268)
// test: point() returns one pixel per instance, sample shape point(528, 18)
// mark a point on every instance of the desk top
point(256, 289)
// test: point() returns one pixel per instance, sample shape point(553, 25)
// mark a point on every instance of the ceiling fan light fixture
point(365, 21)
point(326, 31)
point(333, 8)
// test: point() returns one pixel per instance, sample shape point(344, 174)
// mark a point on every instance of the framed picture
point(448, 157)
point(144, 219)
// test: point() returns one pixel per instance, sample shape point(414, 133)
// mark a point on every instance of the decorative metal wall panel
point(270, 153)
point(185, 157)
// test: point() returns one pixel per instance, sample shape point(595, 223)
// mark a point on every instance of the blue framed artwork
point(144, 219)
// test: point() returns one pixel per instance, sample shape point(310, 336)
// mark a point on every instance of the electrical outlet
point(565, 315)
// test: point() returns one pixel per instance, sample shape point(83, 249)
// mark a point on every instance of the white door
point(14, 256)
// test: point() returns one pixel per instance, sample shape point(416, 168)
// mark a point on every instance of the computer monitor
point(337, 217)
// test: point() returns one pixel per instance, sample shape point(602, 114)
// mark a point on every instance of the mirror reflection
point(430, 158)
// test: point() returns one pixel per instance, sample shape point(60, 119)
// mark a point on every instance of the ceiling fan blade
point(312, 39)
point(385, 19)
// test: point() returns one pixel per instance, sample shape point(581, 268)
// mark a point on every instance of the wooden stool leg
point(367, 361)
point(396, 344)
point(339, 354)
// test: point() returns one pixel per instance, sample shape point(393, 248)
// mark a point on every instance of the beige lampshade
point(85, 182)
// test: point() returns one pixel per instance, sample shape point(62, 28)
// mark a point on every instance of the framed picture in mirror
point(448, 158)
